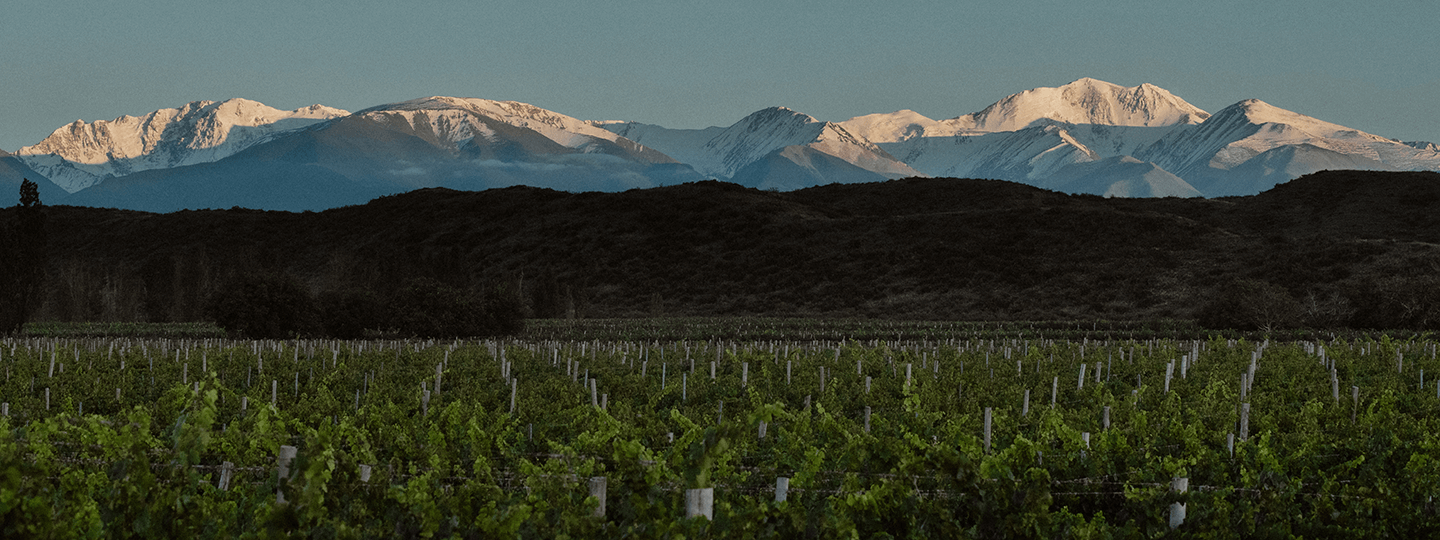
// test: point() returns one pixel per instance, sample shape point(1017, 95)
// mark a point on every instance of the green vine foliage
point(377, 458)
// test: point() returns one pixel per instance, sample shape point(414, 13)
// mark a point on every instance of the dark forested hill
point(1334, 248)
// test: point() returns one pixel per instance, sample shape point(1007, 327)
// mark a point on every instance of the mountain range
point(1088, 136)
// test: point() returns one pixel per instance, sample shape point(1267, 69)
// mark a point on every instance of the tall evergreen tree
point(22, 268)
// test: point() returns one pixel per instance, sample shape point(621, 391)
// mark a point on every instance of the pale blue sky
point(1373, 66)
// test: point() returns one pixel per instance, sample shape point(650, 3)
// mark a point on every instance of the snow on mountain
point(1086, 101)
point(458, 121)
point(1422, 145)
point(1030, 135)
point(79, 155)
point(1211, 153)
point(723, 153)
point(1019, 156)
point(1083, 102)
point(898, 126)
point(1121, 176)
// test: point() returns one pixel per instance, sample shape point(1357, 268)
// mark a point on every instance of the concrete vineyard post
point(282, 468)
point(1355, 398)
point(987, 429)
point(1244, 421)
point(597, 490)
point(700, 502)
point(782, 489)
point(227, 469)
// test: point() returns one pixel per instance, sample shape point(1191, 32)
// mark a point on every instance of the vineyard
point(931, 437)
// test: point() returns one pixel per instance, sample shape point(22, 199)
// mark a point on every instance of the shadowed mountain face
point(915, 248)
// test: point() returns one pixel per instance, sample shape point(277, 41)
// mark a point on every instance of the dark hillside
point(1347, 247)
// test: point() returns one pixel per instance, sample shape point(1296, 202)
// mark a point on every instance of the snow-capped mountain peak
point(565, 130)
point(454, 123)
point(1086, 101)
point(898, 126)
point(82, 154)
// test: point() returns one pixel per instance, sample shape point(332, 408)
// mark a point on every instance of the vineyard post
point(1335, 386)
point(1105, 422)
point(597, 490)
point(274, 391)
point(1025, 408)
point(594, 397)
point(700, 502)
point(1080, 384)
point(744, 375)
point(987, 430)
point(1244, 421)
point(907, 375)
point(514, 384)
point(424, 399)
point(1169, 372)
point(684, 387)
point(5, 409)
point(1085, 437)
point(226, 470)
point(604, 402)
point(287, 453)
point(1177, 510)
point(365, 474)
point(47, 398)
point(867, 384)
point(761, 433)
point(867, 419)
point(782, 489)
point(822, 379)
point(1054, 391)
point(787, 372)
point(1230, 443)
point(712, 370)
point(1354, 396)
point(244, 402)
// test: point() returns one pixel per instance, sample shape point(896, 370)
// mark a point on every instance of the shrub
point(425, 307)
point(263, 305)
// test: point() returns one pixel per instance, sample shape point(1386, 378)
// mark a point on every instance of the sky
point(1372, 66)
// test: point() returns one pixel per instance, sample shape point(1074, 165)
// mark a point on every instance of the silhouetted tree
point(1249, 304)
point(22, 266)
